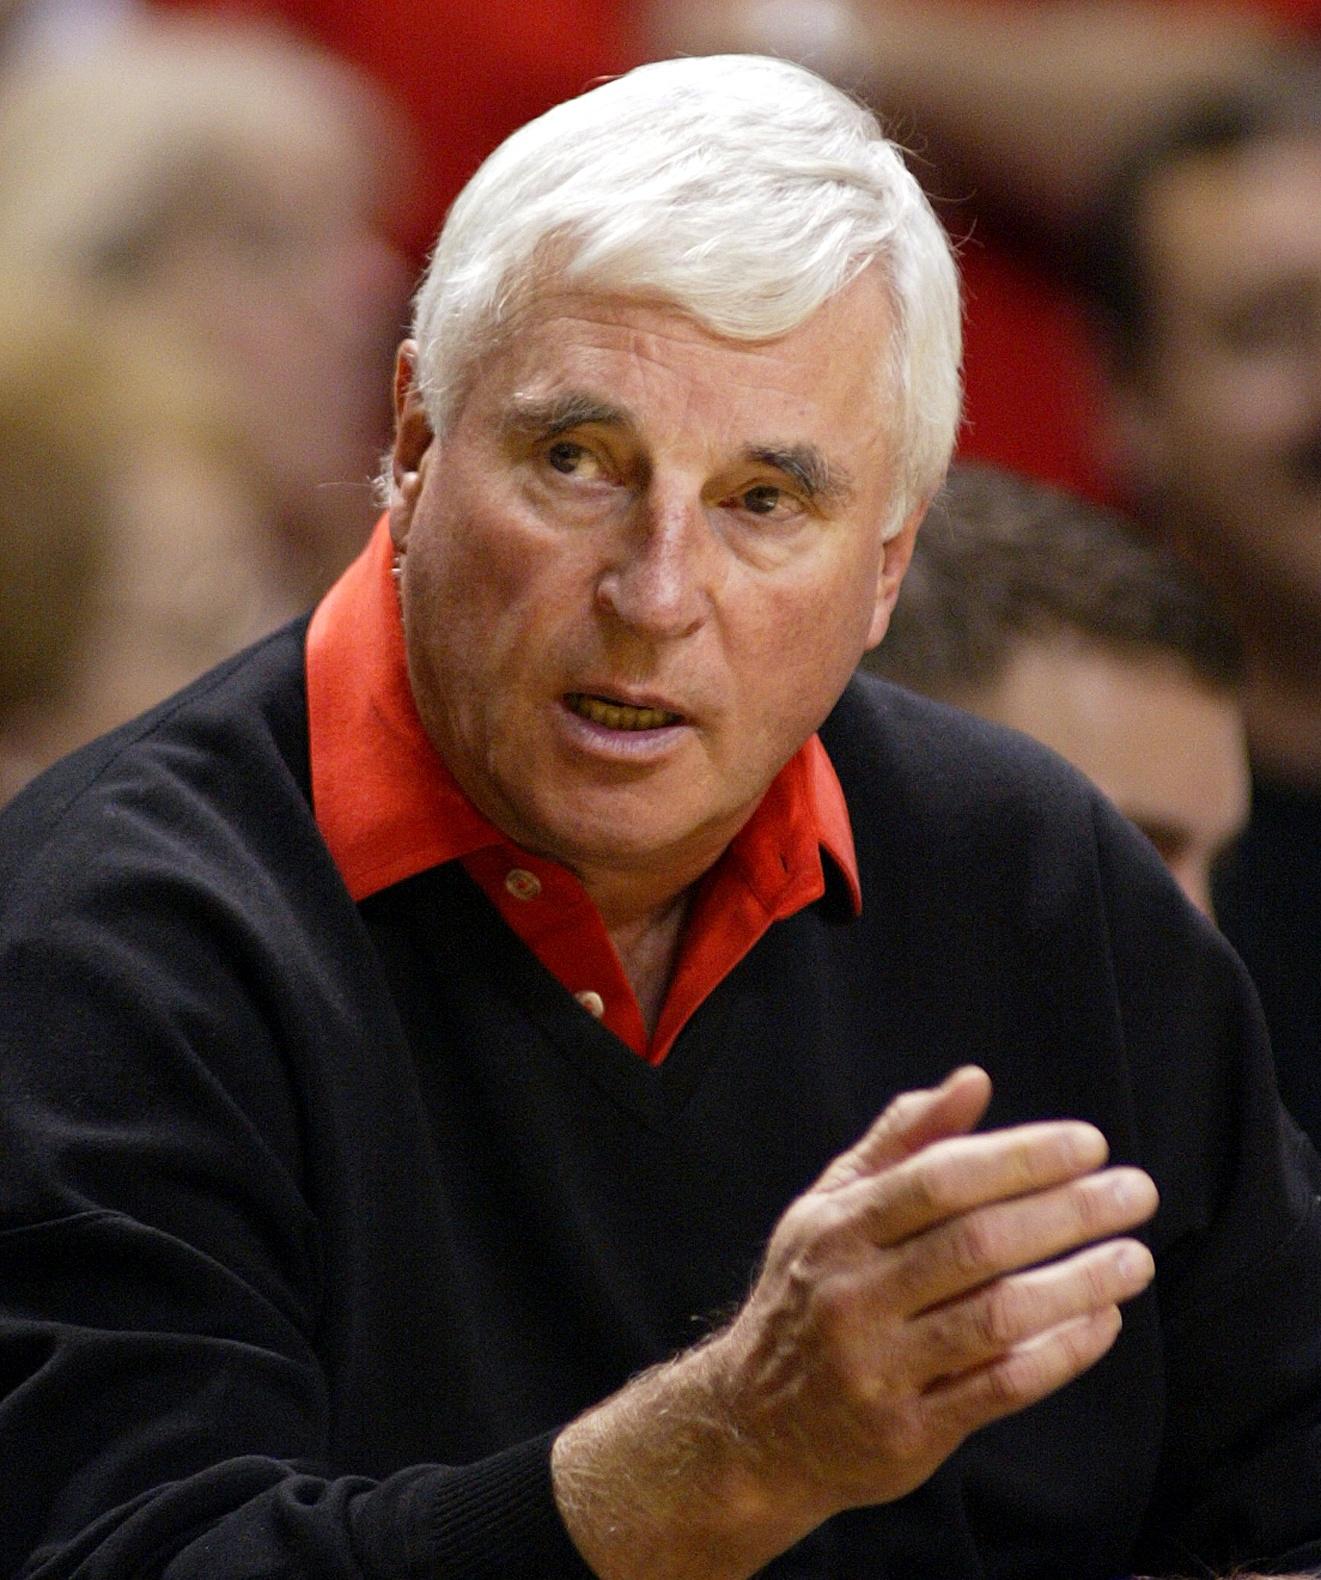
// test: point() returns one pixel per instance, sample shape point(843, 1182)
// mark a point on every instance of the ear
point(413, 439)
point(896, 553)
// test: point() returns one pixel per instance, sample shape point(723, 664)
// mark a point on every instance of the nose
point(659, 578)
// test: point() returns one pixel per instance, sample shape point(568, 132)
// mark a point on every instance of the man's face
point(641, 566)
point(1165, 748)
point(1226, 407)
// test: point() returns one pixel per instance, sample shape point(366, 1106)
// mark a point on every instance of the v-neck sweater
point(318, 1219)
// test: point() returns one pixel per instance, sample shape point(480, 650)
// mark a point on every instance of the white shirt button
point(593, 1003)
point(522, 884)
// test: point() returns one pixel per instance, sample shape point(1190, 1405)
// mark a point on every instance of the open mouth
point(619, 715)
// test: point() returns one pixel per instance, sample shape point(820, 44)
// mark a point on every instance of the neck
point(647, 948)
point(644, 913)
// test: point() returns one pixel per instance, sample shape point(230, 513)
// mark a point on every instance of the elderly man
point(419, 1036)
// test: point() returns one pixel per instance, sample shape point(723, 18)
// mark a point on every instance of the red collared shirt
point(388, 807)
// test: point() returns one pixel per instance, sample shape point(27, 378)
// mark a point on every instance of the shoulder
point(991, 844)
point(220, 761)
point(945, 784)
point(181, 849)
point(168, 909)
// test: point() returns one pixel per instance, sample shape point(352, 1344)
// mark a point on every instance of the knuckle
point(995, 1318)
point(962, 1335)
point(1094, 1206)
point(928, 1189)
point(831, 1302)
point(1013, 1382)
point(1023, 1165)
point(1098, 1281)
point(905, 1276)
point(908, 1432)
point(920, 1191)
point(809, 1233)
point(900, 1111)
point(971, 1247)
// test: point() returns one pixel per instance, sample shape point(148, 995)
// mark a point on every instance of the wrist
point(665, 1480)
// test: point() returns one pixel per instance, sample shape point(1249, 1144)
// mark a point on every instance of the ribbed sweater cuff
point(494, 1520)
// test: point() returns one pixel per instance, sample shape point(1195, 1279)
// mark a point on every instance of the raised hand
point(931, 1281)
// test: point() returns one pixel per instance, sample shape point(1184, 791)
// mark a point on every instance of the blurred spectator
point(1211, 273)
point(218, 189)
point(1040, 611)
point(132, 545)
point(54, 518)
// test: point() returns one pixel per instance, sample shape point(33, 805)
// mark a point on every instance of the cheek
point(801, 650)
point(488, 600)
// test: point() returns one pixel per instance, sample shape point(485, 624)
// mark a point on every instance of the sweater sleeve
point(165, 1407)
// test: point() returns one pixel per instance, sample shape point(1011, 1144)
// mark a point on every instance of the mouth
point(616, 715)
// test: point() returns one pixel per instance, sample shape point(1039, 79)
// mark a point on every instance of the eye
point(574, 460)
point(766, 499)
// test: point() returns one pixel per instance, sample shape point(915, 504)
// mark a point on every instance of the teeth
point(618, 715)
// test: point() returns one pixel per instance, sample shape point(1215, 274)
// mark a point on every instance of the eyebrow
point(535, 416)
point(818, 478)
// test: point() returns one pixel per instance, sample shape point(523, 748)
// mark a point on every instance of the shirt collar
point(387, 805)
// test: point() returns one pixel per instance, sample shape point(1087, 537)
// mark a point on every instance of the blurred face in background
point(1165, 747)
point(1225, 410)
point(223, 191)
point(282, 269)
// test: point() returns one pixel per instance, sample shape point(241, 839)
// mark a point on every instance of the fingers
point(972, 1248)
point(1010, 1313)
point(955, 1175)
point(934, 1280)
point(957, 1405)
point(911, 1122)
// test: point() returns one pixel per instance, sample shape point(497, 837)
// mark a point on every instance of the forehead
point(1220, 224)
point(665, 372)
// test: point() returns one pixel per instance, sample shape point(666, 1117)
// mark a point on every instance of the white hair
point(741, 189)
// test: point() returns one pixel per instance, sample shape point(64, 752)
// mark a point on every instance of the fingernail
point(1086, 1145)
point(1135, 1263)
point(1131, 1188)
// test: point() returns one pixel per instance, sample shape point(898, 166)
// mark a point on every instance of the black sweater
point(316, 1220)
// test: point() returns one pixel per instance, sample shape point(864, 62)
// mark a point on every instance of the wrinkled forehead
point(848, 340)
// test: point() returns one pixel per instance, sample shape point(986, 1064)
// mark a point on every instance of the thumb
point(912, 1121)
